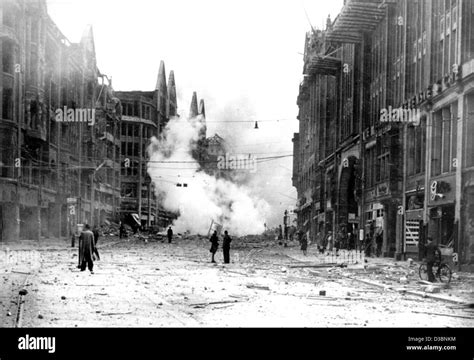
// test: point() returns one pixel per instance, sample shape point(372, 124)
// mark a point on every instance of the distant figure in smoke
point(303, 241)
point(226, 247)
point(170, 234)
point(214, 245)
point(86, 249)
point(280, 235)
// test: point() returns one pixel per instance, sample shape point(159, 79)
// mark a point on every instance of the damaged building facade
point(144, 114)
point(385, 126)
point(58, 128)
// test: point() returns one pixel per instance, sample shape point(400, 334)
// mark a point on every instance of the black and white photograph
point(237, 164)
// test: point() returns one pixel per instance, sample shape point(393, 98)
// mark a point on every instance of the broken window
point(7, 104)
point(7, 57)
point(469, 129)
point(444, 140)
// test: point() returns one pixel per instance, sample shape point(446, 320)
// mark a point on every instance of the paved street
point(156, 284)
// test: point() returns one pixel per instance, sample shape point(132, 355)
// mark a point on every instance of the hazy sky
point(244, 57)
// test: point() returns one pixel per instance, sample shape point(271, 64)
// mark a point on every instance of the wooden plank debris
point(201, 305)
point(116, 313)
point(442, 314)
point(259, 287)
point(329, 265)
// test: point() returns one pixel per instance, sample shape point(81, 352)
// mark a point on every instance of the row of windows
point(130, 190)
point(133, 109)
point(133, 148)
point(133, 130)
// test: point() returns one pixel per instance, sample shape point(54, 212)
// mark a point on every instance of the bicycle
point(441, 271)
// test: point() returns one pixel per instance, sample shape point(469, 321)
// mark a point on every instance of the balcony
point(357, 17)
point(317, 64)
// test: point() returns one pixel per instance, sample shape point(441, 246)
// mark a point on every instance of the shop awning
point(355, 18)
point(322, 65)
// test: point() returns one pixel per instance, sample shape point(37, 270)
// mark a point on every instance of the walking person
point(86, 249)
point(280, 235)
point(214, 245)
point(96, 233)
point(226, 247)
point(432, 253)
point(170, 235)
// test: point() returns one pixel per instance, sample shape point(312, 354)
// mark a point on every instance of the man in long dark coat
point(214, 245)
point(170, 234)
point(226, 247)
point(86, 249)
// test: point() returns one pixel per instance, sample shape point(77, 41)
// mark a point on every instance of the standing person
point(379, 242)
point(280, 235)
point(226, 247)
point(329, 242)
point(319, 241)
point(432, 253)
point(214, 245)
point(303, 241)
point(121, 230)
point(86, 249)
point(170, 235)
point(368, 245)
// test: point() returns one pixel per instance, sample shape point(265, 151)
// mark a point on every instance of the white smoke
point(205, 198)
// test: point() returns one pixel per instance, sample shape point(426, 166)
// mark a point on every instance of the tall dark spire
point(193, 111)
point(202, 109)
point(161, 90)
point(172, 102)
point(202, 117)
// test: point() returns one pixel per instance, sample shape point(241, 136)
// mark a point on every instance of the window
point(129, 190)
point(441, 28)
point(414, 50)
point(454, 19)
point(425, 42)
point(469, 129)
point(448, 23)
point(7, 105)
point(444, 140)
point(7, 57)
point(8, 16)
point(416, 143)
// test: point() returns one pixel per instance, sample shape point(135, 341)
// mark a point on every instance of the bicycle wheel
point(444, 273)
point(423, 272)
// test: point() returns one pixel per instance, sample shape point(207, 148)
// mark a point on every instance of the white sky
point(242, 56)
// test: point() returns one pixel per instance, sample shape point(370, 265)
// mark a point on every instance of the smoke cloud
point(205, 198)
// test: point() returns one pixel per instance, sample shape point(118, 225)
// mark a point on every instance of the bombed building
point(385, 114)
point(59, 127)
point(144, 114)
